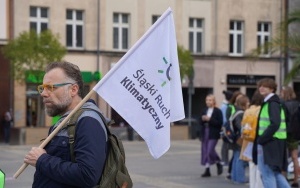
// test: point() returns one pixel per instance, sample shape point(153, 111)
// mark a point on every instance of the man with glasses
point(62, 90)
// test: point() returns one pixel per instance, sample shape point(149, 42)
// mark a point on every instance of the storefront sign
point(36, 77)
point(236, 79)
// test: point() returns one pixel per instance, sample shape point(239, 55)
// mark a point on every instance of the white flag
point(144, 87)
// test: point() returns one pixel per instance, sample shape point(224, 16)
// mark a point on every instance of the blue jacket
point(223, 108)
point(55, 169)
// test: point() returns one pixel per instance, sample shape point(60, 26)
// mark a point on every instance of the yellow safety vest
point(264, 122)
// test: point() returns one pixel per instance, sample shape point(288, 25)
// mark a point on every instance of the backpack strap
point(236, 114)
point(233, 117)
point(71, 126)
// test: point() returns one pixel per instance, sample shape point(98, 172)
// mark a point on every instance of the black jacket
point(55, 168)
point(214, 124)
point(274, 149)
point(292, 117)
point(237, 125)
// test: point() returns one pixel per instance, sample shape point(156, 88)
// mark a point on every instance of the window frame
point(120, 27)
point(38, 20)
point(235, 33)
point(263, 34)
point(154, 18)
point(193, 31)
point(75, 23)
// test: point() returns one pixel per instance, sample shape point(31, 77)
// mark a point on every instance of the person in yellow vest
point(269, 150)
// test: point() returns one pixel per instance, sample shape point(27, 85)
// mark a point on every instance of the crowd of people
point(261, 133)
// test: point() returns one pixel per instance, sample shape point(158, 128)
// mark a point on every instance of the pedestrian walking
point(210, 122)
point(7, 124)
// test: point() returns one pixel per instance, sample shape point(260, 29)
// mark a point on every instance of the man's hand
point(33, 155)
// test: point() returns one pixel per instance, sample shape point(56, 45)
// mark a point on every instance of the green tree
point(186, 62)
point(31, 52)
point(291, 43)
point(285, 41)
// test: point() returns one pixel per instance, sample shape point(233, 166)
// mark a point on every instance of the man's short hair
point(72, 71)
point(267, 82)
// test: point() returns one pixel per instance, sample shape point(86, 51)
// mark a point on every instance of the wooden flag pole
point(55, 131)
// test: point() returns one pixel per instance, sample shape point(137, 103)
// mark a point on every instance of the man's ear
point(74, 90)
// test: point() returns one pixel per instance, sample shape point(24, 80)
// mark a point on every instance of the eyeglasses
point(50, 87)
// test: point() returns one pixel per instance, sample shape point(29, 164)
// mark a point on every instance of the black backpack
point(115, 173)
point(228, 132)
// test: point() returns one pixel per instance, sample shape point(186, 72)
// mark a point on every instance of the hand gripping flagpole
point(55, 131)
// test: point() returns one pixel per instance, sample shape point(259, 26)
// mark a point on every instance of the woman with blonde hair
point(211, 121)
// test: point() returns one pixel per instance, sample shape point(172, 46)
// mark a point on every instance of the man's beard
point(58, 109)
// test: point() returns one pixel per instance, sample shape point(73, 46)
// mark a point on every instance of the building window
point(120, 31)
point(236, 38)
point(74, 29)
point(196, 35)
point(263, 36)
point(38, 19)
point(154, 18)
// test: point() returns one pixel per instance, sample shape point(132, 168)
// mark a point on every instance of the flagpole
point(134, 47)
point(56, 130)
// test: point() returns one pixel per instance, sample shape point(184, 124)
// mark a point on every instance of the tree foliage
point(293, 44)
point(186, 62)
point(31, 52)
point(285, 41)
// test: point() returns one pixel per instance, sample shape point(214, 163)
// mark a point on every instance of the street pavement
point(178, 168)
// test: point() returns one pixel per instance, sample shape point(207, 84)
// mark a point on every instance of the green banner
point(2, 179)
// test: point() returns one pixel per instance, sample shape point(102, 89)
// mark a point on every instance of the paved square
point(178, 168)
